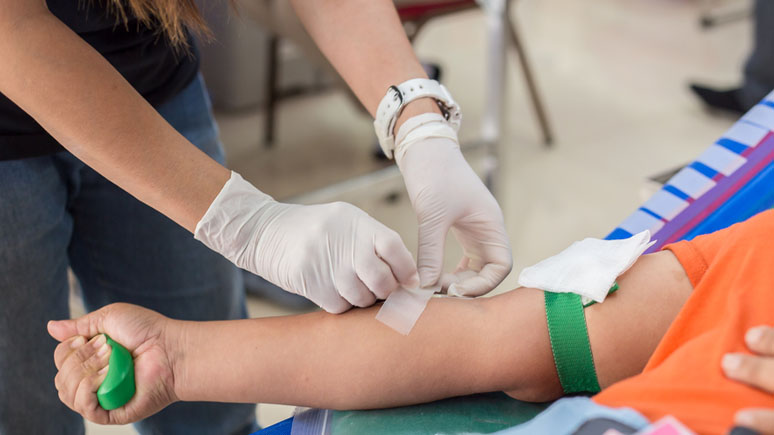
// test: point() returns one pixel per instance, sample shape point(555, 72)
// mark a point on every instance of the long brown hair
point(171, 17)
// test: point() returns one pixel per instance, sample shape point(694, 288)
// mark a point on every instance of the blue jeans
point(57, 212)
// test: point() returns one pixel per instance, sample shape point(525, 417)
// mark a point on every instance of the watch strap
point(397, 97)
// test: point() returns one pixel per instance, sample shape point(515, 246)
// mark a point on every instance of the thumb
point(61, 330)
point(88, 326)
point(759, 419)
point(481, 283)
point(432, 239)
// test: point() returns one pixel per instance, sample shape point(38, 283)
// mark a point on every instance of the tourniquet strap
point(570, 343)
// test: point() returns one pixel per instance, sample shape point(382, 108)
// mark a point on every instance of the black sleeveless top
point(141, 54)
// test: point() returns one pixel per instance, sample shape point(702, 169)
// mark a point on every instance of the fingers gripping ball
point(118, 386)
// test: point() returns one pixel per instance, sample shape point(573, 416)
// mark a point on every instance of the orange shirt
point(732, 272)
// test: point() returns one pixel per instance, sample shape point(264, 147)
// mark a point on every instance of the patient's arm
point(457, 347)
point(352, 361)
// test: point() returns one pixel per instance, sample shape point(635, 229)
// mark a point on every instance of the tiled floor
point(614, 78)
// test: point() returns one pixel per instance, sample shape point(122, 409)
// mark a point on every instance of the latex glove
point(756, 370)
point(82, 365)
point(447, 194)
point(333, 254)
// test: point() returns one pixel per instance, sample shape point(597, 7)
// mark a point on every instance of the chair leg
point(491, 118)
point(531, 87)
point(271, 91)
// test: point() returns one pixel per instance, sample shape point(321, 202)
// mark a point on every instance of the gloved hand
point(334, 254)
point(447, 194)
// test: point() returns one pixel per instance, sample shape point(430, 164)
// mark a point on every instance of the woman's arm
point(366, 43)
point(352, 361)
point(86, 105)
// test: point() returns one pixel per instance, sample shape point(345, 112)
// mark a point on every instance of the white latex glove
point(334, 254)
point(447, 194)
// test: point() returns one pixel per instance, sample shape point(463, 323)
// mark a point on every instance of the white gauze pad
point(402, 308)
point(588, 267)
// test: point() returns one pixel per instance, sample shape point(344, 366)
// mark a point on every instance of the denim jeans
point(57, 212)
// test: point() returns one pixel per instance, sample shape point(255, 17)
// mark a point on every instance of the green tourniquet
point(570, 343)
point(118, 386)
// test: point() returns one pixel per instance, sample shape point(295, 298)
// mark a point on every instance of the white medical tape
point(402, 308)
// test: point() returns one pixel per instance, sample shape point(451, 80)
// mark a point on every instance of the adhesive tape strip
point(402, 308)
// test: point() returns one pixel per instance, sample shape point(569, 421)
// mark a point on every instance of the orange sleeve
point(690, 257)
point(698, 254)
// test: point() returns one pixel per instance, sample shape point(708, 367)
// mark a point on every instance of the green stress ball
point(118, 386)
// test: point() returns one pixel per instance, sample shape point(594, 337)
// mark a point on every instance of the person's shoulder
point(755, 233)
point(752, 239)
point(747, 243)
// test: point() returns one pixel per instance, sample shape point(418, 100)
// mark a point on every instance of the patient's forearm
point(457, 347)
point(353, 361)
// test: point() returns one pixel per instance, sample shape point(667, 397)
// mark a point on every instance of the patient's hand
point(757, 371)
point(83, 364)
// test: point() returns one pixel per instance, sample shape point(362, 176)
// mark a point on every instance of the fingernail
point(99, 341)
point(452, 290)
point(78, 342)
point(754, 334)
point(103, 350)
point(745, 418)
point(731, 362)
point(103, 370)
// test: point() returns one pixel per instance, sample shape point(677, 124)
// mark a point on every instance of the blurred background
point(611, 76)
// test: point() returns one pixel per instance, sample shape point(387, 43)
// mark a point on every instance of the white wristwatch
point(399, 96)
